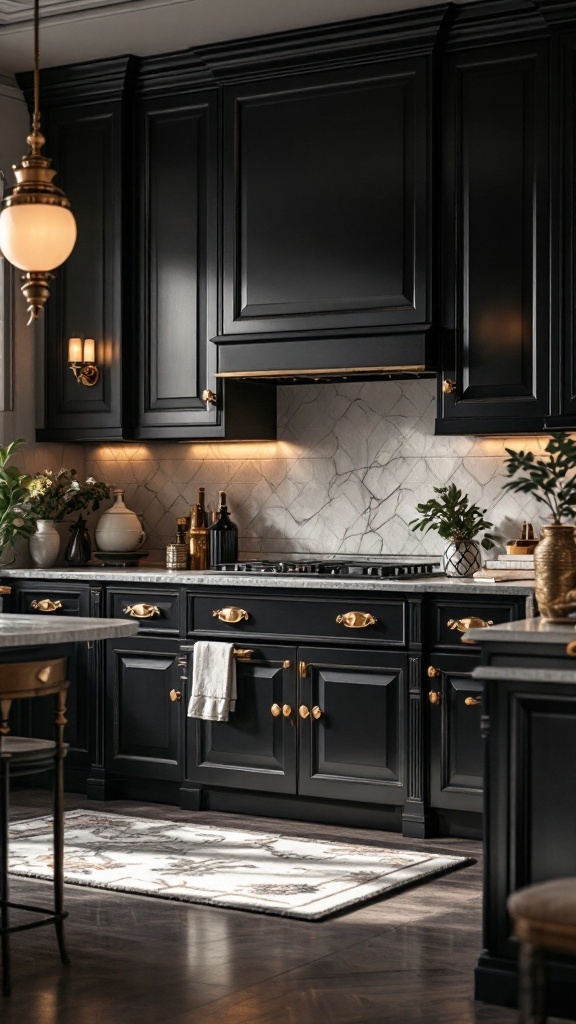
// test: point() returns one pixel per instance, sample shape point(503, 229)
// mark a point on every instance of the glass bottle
point(223, 536)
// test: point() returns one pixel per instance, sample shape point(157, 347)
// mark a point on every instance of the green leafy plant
point(54, 495)
point(453, 517)
point(550, 480)
point(16, 517)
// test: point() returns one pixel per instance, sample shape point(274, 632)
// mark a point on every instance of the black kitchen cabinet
point(496, 351)
point(456, 754)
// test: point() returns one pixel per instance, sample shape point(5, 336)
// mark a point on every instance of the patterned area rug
point(262, 872)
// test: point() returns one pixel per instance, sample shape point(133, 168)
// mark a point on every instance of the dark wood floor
point(140, 960)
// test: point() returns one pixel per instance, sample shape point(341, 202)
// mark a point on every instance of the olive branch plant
point(550, 480)
point(453, 517)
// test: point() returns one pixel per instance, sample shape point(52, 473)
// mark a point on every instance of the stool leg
point(4, 893)
point(532, 985)
point(59, 823)
point(539, 970)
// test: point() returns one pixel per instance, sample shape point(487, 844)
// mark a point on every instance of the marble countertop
point(31, 630)
point(536, 630)
point(153, 574)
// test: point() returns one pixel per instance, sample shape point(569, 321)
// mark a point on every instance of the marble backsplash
point(351, 463)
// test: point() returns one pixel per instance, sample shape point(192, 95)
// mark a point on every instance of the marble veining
point(29, 630)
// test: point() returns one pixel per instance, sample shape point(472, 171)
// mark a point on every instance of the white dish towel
point(213, 681)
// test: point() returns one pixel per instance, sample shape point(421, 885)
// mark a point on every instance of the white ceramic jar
point(119, 529)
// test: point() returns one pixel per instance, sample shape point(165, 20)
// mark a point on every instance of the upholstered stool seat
point(21, 755)
point(544, 918)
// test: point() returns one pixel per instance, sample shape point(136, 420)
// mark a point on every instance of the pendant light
point(37, 226)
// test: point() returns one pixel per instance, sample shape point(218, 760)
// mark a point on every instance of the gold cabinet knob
point(142, 611)
point(286, 710)
point(303, 711)
point(432, 672)
point(434, 697)
point(448, 386)
point(175, 695)
point(302, 669)
point(46, 605)
point(242, 654)
point(286, 664)
point(230, 615)
point(571, 649)
point(209, 397)
point(275, 710)
point(471, 702)
point(471, 622)
point(356, 620)
point(316, 712)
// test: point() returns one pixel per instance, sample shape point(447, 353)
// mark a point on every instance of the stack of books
point(507, 567)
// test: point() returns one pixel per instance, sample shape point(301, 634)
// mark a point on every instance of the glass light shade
point(89, 351)
point(75, 350)
point(36, 236)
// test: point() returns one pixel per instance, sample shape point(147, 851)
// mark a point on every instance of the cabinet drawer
point(49, 599)
point(156, 611)
point(336, 618)
point(445, 614)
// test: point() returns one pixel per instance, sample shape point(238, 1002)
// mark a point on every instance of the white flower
point(74, 485)
point(90, 480)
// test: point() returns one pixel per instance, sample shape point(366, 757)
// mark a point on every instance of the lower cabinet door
point(144, 708)
point(256, 748)
point(352, 725)
point(456, 750)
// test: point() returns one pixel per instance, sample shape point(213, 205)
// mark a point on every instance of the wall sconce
point(81, 359)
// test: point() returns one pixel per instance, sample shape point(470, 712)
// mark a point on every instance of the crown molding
point(502, 20)
point(77, 83)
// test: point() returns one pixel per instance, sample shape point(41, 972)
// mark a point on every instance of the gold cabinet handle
point(175, 695)
point(46, 605)
point(142, 611)
point(302, 669)
point(242, 655)
point(356, 620)
point(432, 672)
point(303, 711)
point(448, 386)
point(316, 712)
point(434, 697)
point(230, 614)
point(471, 702)
point(571, 649)
point(286, 710)
point(275, 710)
point(472, 622)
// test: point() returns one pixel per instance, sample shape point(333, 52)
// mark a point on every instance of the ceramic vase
point(554, 567)
point(79, 549)
point(119, 529)
point(462, 558)
point(44, 544)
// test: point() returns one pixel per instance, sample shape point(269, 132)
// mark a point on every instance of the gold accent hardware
point(352, 370)
point(5, 590)
point(448, 386)
point(302, 669)
point(571, 649)
point(286, 710)
point(230, 615)
point(471, 702)
point(175, 695)
point(275, 710)
point(242, 655)
point(81, 361)
point(209, 397)
point(356, 620)
point(46, 605)
point(472, 622)
point(316, 712)
point(142, 611)
point(285, 664)
point(432, 672)
point(434, 697)
point(303, 711)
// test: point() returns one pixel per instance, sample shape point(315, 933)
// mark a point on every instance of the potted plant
point(551, 481)
point(455, 519)
point(53, 496)
point(16, 517)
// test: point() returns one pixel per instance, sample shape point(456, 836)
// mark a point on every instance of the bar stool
point(22, 756)
point(544, 918)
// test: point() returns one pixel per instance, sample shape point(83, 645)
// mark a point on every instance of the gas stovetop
point(391, 567)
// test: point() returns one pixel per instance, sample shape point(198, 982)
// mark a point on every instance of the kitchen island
point(528, 675)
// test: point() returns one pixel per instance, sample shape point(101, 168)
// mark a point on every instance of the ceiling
point(78, 30)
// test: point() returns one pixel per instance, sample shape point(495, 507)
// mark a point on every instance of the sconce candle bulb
point(82, 360)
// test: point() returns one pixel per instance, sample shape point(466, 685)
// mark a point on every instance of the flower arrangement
point(16, 516)
point(54, 495)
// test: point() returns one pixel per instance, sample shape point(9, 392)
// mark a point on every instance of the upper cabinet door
point(177, 252)
point(496, 248)
point(325, 201)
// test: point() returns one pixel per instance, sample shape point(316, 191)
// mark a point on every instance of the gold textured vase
point(554, 568)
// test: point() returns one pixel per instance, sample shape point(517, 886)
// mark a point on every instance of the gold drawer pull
point(286, 710)
point(230, 614)
point(46, 605)
point(571, 649)
point(303, 711)
point(175, 695)
point(242, 655)
point(142, 611)
point(356, 620)
point(472, 622)
point(471, 702)
point(434, 697)
point(275, 710)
